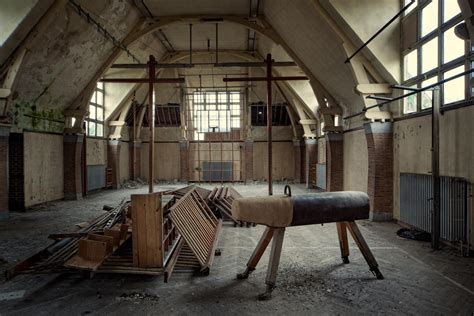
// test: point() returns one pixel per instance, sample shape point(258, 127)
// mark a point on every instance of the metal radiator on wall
point(416, 205)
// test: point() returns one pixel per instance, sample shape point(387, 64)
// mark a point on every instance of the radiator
point(416, 204)
point(217, 171)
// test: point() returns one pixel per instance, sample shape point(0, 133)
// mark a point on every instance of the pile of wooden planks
point(53, 257)
point(199, 227)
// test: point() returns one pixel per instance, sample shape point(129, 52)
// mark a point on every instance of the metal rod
point(404, 88)
point(435, 113)
point(190, 44)
point(269, 79)
point(217, 65)
point(217, 43)
point(151, 121)
point(142, 80)
point(378, 98)
point(380, 31)
point(285, 78)
point(431, 86)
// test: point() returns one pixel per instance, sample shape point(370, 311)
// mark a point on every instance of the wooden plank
point(147, 232)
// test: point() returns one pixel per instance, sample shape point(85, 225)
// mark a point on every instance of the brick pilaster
point(380, 176)
point(184, 161)
point(135, 155)
point(311, 160)
point(298, 160)
point(248, 155)
point(113, 161)
point(72, 152)
point(16, 176)
point(334, 162)
point(4, 135)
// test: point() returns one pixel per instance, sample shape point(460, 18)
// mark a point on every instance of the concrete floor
point(311, 279)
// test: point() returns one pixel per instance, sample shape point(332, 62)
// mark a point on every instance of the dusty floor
point(311, 279)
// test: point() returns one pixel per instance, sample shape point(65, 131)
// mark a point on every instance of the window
point(95, 121)
point(410, 62)
point(429, 55)
point(215, 112)
point(437, 54)
point(426, 96)
point(429, 21)
point(453, 46)
point(410, 8)
point(454, 89)
point(280, 115)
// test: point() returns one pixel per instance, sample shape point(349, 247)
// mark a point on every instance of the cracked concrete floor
point(312, 279)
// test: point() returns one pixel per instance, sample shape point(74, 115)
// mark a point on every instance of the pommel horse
point(279, 212)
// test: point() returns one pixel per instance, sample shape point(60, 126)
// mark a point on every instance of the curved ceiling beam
point(144, 26)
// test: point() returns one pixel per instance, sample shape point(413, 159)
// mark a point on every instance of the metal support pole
point(151, 121)
point(435, 228)
point(269, 122)
point(190, 44)
point(217, 43)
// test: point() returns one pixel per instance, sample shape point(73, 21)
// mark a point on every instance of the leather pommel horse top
point(307, 209)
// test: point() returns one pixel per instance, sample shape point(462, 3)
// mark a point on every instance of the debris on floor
point(138, 297)
point(153, 234)
point(133, 184)
point(414, 234)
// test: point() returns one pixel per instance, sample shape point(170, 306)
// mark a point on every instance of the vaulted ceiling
point(65, 52)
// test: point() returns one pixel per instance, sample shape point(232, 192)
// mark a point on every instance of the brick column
point(16, 176)
point(4, 135)
point(311, 146)
point(298, 160)
point(113, 161)
point(334, 162)
point(184, 161)
point(380, 181)
point(135, 154)
point(72, 153)
point(248, 156)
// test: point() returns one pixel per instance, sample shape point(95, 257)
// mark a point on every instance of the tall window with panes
point(436, 55)
point(95, 120)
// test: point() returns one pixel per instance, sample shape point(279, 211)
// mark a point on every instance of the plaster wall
point(321, 150)
point(124, 161)
point(167, 161)
point(44, 177)
point(259, 133)
point(356, 163)
point(384, 50)
point(96, 151)
point(283, 161)
point(412, 143)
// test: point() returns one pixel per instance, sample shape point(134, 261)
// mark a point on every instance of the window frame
point(95, 121)
point(466, 60)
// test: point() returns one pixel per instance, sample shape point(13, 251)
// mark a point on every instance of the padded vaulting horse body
point(279, 212)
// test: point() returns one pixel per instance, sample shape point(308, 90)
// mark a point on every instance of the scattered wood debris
point(153, 234)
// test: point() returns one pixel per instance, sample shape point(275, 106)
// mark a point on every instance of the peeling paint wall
point(96, 151)
point(44, 177)
point(76, 48)
point(356, 163)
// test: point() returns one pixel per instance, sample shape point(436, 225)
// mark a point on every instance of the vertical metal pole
point(435, 228)
point(134, 148)
point(190, 44)
point(217, 43)
point(269, 122)
point(151, 121)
